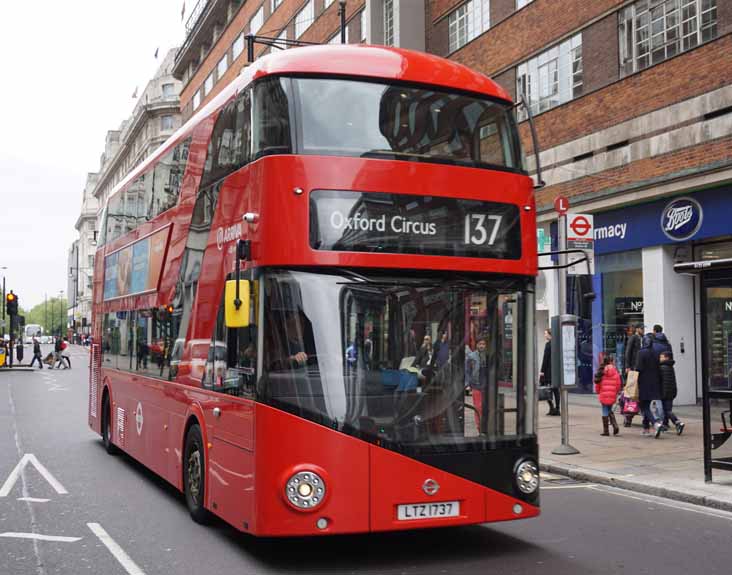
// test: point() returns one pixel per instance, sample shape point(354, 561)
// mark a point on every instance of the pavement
point(671, 466)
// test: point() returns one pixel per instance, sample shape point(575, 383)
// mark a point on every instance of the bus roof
point(381, 62)
point(353, 60)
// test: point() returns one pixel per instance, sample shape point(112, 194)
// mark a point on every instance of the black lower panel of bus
point(494, 466)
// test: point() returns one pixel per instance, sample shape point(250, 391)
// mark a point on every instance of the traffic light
point(11, 303)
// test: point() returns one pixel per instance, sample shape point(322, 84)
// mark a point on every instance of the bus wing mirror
point(236, 303)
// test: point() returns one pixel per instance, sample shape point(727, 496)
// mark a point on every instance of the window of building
point(275, 4)
point(208, 85)
point(304, 18)
point(553, 77)
point(521, 3)
point(196, 99)
point(336, 39)
point(257, 20)
point(363, 25)
point(283, 36)
point(222, 66)
point(238, 46)
point(652, 31)
point(389, 22)
point(166, 123)
point(168, 90)
point(468, 22)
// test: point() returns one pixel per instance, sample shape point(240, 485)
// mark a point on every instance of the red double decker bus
point(313, 306)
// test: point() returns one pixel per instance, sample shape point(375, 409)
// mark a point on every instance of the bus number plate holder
point(412, 511)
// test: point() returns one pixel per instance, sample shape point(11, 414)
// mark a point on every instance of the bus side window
point(231, 366)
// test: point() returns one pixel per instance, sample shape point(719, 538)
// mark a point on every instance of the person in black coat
point(649, 385)
point(633, 347)
point(37, 354)
point(669, 391)
point(545, 374)
point(661, 344)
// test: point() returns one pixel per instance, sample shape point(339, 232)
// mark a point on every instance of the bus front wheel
point(194, 475)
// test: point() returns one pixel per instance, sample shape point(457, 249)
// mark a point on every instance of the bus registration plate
point(411, 511)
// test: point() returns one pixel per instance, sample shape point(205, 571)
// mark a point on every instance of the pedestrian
point(19, 350)
point(631, 359)
point(545, 375)
point(661, 343)
point(65, 352)
point(669, 391)
point(37, 354)
point(649, 385)
point(607, 387)
point(633, 347)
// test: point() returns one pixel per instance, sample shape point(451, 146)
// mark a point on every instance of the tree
point(51, 314)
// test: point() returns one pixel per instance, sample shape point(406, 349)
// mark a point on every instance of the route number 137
point(476, 232)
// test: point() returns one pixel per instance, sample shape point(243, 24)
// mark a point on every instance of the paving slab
point(671, 466)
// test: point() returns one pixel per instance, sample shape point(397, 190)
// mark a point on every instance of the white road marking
point(652, 500)
point(119, 554)
point(39, 537)
point(33, 499)
point(578, 486)
point(15, 473)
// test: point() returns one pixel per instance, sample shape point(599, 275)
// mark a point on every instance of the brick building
point(215, 50)
point(633, 109)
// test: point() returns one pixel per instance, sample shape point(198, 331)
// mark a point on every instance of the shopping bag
point(630, 407)
point(545, 393)
point(631, 385)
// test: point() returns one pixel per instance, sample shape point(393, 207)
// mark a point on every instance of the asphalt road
point(120, 519)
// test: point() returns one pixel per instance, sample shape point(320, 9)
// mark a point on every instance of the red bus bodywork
point(251, 448)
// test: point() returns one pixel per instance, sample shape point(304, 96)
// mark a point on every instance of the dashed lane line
point(33, 499)
point(39, 537)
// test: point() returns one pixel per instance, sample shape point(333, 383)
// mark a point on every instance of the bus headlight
point(305, 490)
point(527, 477)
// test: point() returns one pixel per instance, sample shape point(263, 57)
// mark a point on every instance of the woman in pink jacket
point(607, 386)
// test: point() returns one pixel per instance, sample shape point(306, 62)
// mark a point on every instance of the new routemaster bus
point(313, 305)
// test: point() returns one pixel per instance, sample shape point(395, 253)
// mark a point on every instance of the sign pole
point(565, 448)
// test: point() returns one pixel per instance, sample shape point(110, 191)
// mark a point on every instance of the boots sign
point(581, 236)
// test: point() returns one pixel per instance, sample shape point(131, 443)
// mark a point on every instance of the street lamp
point(3, 268)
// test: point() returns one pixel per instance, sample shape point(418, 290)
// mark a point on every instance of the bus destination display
point(396, 223)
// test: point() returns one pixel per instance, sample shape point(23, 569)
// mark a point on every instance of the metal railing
point(195, 13)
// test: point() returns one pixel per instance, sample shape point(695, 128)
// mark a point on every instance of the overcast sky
point(69, 72)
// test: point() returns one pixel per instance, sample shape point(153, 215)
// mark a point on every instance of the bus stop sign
point(561, 205)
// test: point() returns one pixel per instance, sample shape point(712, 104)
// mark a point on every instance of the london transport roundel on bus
point(681, 219)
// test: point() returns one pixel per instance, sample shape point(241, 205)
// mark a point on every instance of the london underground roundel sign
point(681, 219)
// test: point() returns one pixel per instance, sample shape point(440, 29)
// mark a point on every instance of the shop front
point(669, 262)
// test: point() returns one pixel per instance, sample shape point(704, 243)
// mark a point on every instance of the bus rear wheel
point(194, 475)
point(110, 447)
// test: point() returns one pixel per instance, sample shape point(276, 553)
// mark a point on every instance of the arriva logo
point(681, 219)
point(225, 235)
